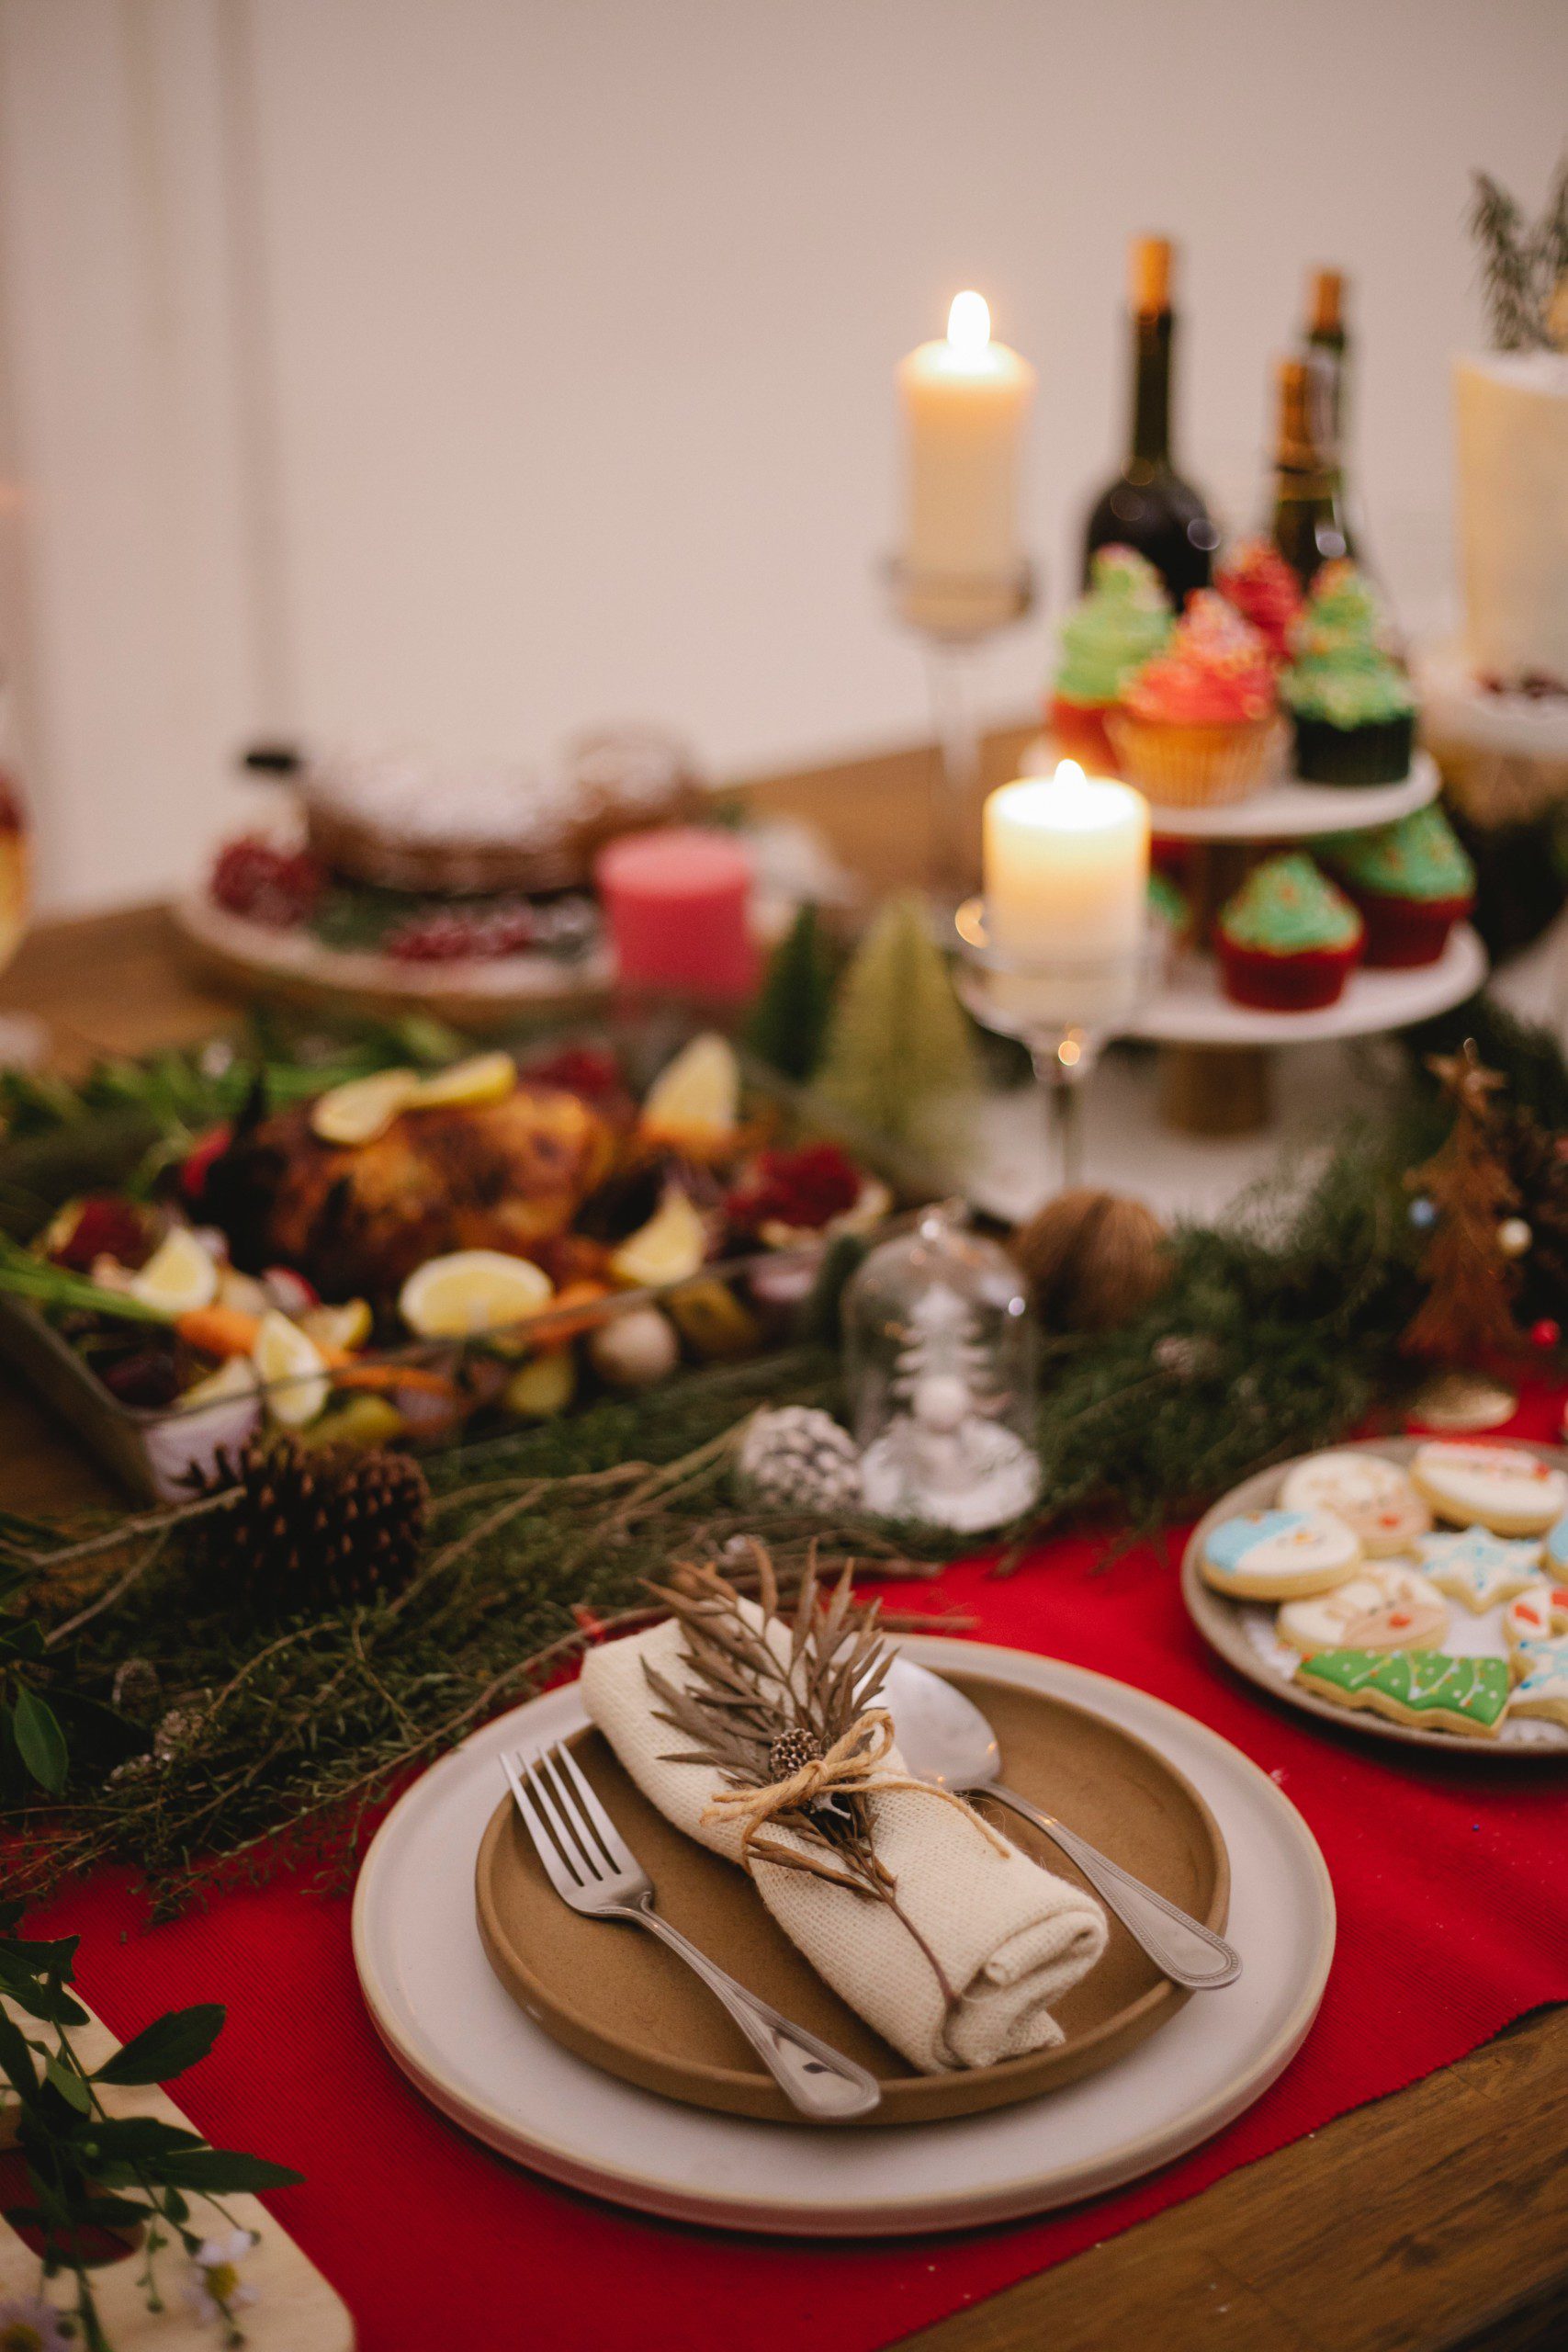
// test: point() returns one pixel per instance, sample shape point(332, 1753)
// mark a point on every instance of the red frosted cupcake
point(1199, 724)
point(1412, 882)
point(1288, 939)
point(1258, 580)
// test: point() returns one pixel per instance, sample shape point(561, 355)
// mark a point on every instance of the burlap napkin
point(1008, 1936)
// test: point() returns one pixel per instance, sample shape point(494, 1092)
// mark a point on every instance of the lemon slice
point(292, 1370)
point(343, 1327)
point(669, 1247)
point(363, 1109)
point(234, 1378)
point(695, 1099)
point(179, 1275)
point(483, 1078)
point(471, 1290)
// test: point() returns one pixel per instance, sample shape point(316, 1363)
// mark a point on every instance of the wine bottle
point(1326, 335)
point(1308, 524)
point(1149, 506)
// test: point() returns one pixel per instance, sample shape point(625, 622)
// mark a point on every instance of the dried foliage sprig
point(1524, 266)
point(785, 1712)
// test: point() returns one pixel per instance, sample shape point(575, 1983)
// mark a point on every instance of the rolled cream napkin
point(1008, 1936)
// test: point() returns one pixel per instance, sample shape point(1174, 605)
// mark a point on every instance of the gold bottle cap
point(1327, 303)
point(1152, 258)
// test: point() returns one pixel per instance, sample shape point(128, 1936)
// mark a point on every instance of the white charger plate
point(474, 2055)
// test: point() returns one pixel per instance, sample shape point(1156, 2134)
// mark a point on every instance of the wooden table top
point(1433, 2220)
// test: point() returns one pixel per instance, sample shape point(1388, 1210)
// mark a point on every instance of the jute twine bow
point(850, 1765)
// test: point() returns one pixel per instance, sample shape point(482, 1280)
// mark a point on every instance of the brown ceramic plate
point(1234, 1628)
point(614, 1997)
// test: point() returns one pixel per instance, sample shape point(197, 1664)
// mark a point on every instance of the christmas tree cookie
point(1425, 1688)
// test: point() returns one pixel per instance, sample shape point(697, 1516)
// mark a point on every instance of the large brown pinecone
point(318, 1531)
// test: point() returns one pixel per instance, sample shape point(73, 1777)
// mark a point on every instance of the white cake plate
point(1193, 1010)
point(476, 2056)
point(1288, 810)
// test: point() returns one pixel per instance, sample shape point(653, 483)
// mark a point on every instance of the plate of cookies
point(1416, 1589)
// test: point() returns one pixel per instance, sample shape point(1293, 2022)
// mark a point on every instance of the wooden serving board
point(618, 1998)
point(295, 2309)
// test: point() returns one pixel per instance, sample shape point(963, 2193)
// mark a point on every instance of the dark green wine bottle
point(1149, 506)
point(1308, 524)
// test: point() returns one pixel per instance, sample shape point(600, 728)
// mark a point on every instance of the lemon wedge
point(340, 1328)
point(179, 1275)
point(364, 1108)
point(668, 1249)
point(292, 1370)
point(694, 1101)
point(543, 1388)
point(483, 1078)
point(471, 1290)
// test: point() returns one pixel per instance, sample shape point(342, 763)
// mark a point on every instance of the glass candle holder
point(940, 1356)
point(1063, 1010)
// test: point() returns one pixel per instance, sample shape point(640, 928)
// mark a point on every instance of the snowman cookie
point(1478, 1568)
point(1500, 1486)
point(1536, 1626)
point(1373, 1496)
point(1279, 1555)
point(1384, 1606)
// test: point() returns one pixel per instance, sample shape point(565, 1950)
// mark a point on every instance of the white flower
point(214, 2287)
point(29, 2325)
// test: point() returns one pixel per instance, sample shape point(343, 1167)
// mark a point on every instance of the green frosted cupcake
point(1122, 617)
point(1354, 712)
point(1288, 938)
point(1412, 882)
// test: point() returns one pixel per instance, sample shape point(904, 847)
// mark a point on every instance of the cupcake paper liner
point(1195, 767)
point(1378, 754)
point(1270, 982)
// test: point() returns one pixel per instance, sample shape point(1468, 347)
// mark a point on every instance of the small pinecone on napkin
point(312, 1532)
point(795, 1457)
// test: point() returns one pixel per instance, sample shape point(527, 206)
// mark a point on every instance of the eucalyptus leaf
point(166, 2047)
point(41, 1743)
point(69, 2084)
point(221, 2172)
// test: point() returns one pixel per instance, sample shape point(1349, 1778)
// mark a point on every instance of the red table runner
point(1453, 1920)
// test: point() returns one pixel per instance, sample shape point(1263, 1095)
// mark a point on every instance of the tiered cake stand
point(1214, 1059)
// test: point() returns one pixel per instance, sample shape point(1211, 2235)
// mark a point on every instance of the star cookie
point(1479, 1568)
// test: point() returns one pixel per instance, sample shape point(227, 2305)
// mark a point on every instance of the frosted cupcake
point(1288, 939)
point(1354, 712)
point(1122, 617)
point(1200, 722)
point(1412, 882)
point(1258, 580)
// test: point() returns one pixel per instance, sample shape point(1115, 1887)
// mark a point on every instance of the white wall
point(477, 369)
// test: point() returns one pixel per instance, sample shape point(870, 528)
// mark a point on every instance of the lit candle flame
point(1068, 772)
point(969, 324)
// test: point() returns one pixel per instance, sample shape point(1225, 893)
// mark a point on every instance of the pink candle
point(676, 903)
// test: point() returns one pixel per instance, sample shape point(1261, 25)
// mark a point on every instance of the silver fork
point(591, 1867)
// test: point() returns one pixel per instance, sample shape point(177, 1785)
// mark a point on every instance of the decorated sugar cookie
point(1373, 1496)
point(1384, 1606)
point(1542, 1688)
point(1537, 1614)
point(1426, 1688)
point(1280, 1555)
point(1500, 1486)
point(1478, 1567)
point(1554, 1550)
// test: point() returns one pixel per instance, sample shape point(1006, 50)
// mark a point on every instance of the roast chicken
point(509, 1175)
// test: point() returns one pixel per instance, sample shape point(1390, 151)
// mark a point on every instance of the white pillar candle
point(965, 402)
point(1067, 877)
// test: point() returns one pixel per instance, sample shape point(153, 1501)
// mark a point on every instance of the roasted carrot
point(219, 1330)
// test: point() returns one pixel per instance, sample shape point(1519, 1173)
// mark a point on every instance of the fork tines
point(583, 1853)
